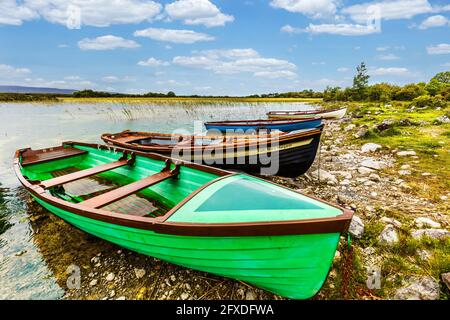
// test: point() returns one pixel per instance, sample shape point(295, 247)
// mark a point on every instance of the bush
point(410, 92)
point(427, 101)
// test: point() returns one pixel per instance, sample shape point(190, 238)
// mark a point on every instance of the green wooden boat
point(229, 224)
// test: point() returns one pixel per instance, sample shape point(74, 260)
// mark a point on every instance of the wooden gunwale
point(261, 121)
point(247, 143)
point(337, 224)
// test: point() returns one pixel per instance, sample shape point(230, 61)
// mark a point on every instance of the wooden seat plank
point(83, 174)
point(126, 190)
point(40, 156)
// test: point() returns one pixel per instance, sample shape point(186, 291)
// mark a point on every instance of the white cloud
point(173, 35)
point(389, 56)
point(342, 69)
point(394, 71)
point(8, 71)
point(114, 79)
point(388, 10)
point(12, 13)
point(152, 62)
point(98, 13)
point(382, 49)
point(434, 21)
point(234, 61)
point(290, 29)
point(343, 29)
point(173, 83)
point(443, 48)
point(315, 9)
point(275, 74)
point(197, 12)
point(110, 79)
point(107, 42)
point(202, 88)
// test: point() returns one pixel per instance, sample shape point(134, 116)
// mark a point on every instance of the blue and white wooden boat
point(282, 125)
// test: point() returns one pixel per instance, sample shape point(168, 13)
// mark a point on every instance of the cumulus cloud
point(12, 72)
point(98, 13)
point(343, 29)
point(394, 71)
point(108, 42)
point(388, 9)
point(197, 12)
point(443, 48)
point(389, 56)
point(276, 74)
point(234, 61)
point(13, 13)
point(173, 35)
point(315, 9)
point(434, 21)
point(152, 62)
point(342, 69)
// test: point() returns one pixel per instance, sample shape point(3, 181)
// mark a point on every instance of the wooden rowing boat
point(200, 217)
point(269, 125)
point(322, 114)
point(286, 154)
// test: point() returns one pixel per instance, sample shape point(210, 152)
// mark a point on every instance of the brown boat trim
point(303, 112)
point(337, 224)
point(282, 138)
point(253, 122)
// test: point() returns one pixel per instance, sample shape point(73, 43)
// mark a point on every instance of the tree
point(171, 94)
point(361, 81)
point(410, 92)
point(442, 77)
point(434, 87)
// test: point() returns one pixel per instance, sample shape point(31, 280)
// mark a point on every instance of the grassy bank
point(410, 129)
point(427, 185)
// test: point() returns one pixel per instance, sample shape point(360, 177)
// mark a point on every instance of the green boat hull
point(293, 266)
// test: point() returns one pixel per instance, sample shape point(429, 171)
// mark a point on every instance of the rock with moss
point(370, 147)
point(389, 235)
point(446, 279)
point(356, 228)
point(426, 222)
point(424, 288)
point(439, 234)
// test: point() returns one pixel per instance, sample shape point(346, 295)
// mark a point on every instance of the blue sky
point(219, 47)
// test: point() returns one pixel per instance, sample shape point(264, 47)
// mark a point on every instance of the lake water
point(23, 271)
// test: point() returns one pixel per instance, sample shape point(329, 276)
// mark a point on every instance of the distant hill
point(20, 89)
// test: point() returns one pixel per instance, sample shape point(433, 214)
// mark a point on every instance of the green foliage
point(382, 92)
point(25, 97)
point(361, 82)
point(442, 77)
point(409, 92)
point(426, 101)
point(434, 87)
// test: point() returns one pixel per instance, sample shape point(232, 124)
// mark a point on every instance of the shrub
point(427, 101)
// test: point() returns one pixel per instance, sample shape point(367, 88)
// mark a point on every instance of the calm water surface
point(24, 273)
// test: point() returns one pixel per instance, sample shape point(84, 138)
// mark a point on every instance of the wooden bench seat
point(82, 174)
point(44, 155)
point(129, 189)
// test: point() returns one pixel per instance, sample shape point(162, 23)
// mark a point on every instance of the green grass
point(430, 141)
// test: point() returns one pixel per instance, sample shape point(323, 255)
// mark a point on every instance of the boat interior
point(167, 140)
point(110, 180)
